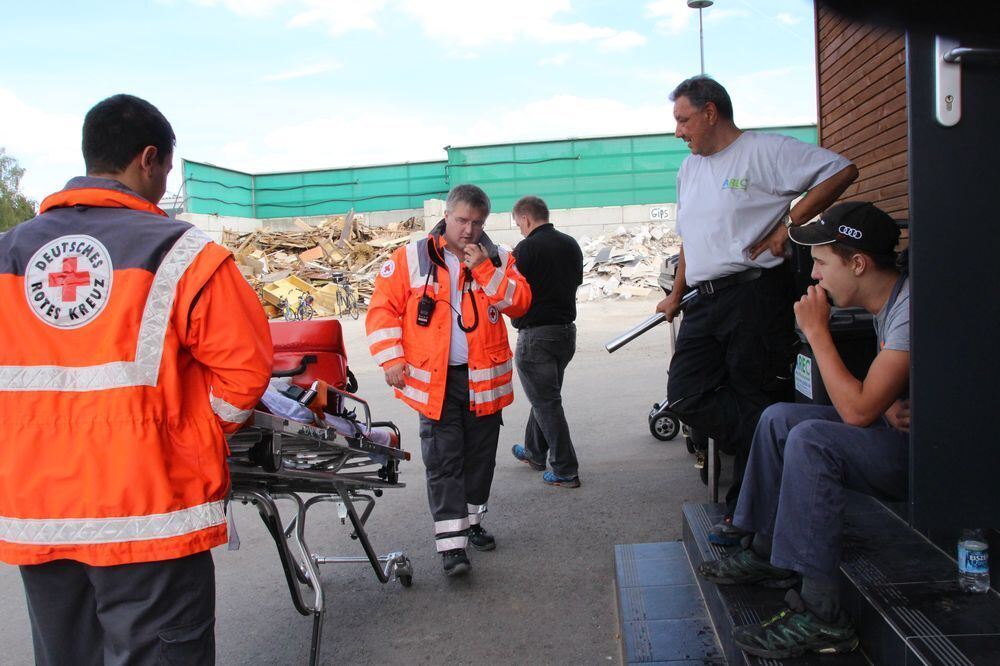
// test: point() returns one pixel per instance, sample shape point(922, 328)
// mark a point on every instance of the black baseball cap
point(858, 224)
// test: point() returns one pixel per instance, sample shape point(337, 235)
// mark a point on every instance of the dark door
point(955, 299)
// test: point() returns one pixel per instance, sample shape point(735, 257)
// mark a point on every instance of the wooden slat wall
point(862, 106)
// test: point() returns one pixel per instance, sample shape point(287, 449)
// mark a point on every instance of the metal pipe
point(645, 326)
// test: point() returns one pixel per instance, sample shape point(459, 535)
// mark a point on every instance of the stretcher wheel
point(406, 580)
point(664, 427)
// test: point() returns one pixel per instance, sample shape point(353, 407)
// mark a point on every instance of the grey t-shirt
point(892, 323)
point(729, 200)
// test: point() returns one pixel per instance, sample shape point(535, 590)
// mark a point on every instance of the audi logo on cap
point(850, 232)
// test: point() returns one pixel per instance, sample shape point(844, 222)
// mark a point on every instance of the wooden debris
point(341, 250)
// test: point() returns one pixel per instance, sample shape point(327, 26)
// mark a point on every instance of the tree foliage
point(14, 206)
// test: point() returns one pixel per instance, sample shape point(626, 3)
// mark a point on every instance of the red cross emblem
point(69, 279)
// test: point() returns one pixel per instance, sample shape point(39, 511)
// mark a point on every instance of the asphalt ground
point(544, 596)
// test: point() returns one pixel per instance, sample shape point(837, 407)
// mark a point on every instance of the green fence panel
point(213, 190)
point(576, 173)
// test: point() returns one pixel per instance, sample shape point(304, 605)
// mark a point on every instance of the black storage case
point(853, 331)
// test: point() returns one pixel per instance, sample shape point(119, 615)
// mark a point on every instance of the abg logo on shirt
point(735, 184)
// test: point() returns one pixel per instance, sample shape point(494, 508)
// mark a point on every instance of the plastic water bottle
point(973, 562)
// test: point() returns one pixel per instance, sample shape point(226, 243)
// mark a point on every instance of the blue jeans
point(542, 354)
point(802, 460)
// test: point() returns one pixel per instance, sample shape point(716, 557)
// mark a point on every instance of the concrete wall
point(576, 222)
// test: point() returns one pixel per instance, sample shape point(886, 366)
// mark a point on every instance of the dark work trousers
point(542, 354)
point(135, 614)
point(733, 358)
point(460, 452)
point(803, 459)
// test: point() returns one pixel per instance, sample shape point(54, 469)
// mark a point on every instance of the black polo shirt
point(552, 263)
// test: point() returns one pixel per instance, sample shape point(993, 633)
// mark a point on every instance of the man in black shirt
point(552, 263)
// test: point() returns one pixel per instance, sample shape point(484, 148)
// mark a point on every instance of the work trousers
point(802, 460)
point(460, 452)
point(129, 614)
point(732, 359)
point(542, 354)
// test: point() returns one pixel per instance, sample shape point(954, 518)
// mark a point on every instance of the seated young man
point(804, 457)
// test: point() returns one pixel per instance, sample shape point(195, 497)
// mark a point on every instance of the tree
point(14, 206)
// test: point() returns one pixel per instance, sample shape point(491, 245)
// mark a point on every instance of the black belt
point(527, 326)
point(712, 286)
point(459, 366)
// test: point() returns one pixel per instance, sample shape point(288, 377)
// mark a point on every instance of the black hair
point(119, 128)
point(532, 206)
point(700, 90)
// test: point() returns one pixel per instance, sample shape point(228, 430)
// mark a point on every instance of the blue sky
point(271, 85)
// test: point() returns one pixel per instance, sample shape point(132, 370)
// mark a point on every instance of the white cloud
point(46, 144)
point(303, 71)
point(555, 61)
point(339, 16)
point(788, 19)
point(673, 16)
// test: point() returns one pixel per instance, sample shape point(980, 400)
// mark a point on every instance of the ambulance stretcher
point(291, 449)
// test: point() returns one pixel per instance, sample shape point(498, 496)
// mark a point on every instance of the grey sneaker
point(745, 567)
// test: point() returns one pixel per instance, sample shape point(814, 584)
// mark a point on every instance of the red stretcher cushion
point(323, 339)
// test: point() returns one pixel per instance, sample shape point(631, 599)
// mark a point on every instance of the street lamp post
point(700, 5)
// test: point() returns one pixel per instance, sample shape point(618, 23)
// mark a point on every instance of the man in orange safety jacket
point(129, 345)
point(434, 326)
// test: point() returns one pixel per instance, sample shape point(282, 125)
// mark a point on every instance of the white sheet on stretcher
point(281, 405)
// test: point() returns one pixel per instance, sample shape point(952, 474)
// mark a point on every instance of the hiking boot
point(522, 455)
point(795, 631)
point(725, 533)
point(456, 562)
point(745, 567)
point(480, 539)
point(564, 481)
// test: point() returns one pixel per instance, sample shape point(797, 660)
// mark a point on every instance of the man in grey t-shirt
point(735, 191)
point(804, 457)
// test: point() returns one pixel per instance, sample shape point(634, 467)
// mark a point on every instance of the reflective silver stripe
point(493, 394)
point(476, 508)
point(490, 373)
point(445, 526)
point(418, 374)
point(452, 543)
point(415, 395)
point(413, 262)
point(226, 411)
point(384, 334)
point(145, 369)
point(86, 531)
point(508, 297)
point(490, 289)
point(388, 354)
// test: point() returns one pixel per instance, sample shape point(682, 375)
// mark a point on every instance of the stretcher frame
point(275, 458)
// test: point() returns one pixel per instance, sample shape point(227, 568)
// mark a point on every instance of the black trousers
point(460, 453)
point(146, 613)
point(733, 358)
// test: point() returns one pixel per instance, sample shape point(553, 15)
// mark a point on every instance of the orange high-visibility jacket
point(394, 337)
point(129, 343)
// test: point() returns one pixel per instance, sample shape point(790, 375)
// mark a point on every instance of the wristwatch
point(787, 221)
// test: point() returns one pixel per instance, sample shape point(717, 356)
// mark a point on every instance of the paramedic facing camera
point(435, 327)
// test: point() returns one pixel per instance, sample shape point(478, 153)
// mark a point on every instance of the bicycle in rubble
point(303, 310)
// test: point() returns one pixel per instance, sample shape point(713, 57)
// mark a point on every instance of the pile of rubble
point(627, 263)
point(334, 262)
